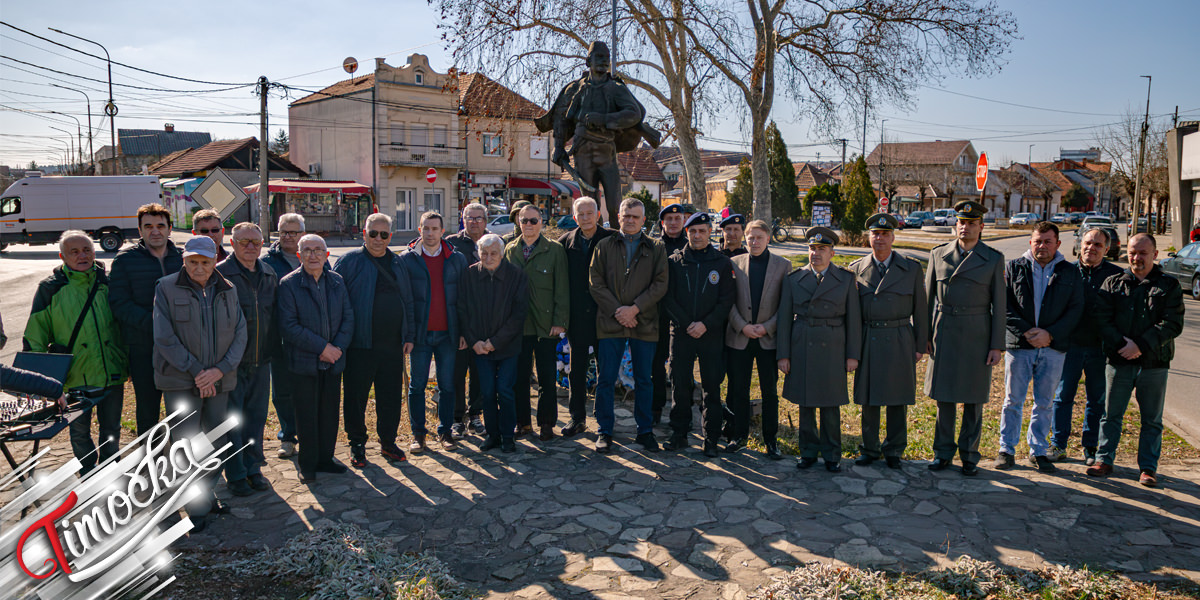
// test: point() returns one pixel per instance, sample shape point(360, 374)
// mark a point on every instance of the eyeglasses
point(248, 242)
point(290, 233)
point(210, 231)
point(531, 221)
point(379, 234)
point(474, 219)
point(313, 251)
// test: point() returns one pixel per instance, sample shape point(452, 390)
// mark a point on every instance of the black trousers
point(658, 369)
point(824, 441)
point(317, 401)
point(896, 440)
point(463, 410)
point(740, 363)
point(969, 435)
point(147, 397)
point(581, 359)
point(542, 350)
point(379, 367)
point(685, 352)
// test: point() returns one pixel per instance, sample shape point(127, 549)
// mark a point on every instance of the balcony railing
point(407, 155)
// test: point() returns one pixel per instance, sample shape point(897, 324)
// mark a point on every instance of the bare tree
point(538, 45)
point(1119, 141)
point(826, 53)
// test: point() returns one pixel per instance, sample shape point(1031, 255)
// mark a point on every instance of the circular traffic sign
point(431, 175)
point(884, 202)
point(981, 172)
point(350, 65)
point(110, 109)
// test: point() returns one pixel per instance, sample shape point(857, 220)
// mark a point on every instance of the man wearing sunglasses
point(383, 334)
point(255, 283)
point(207, 223)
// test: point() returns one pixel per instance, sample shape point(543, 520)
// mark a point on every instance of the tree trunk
point(693, 168)
point(759, 170)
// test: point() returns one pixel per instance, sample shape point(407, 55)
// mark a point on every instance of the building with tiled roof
point(235, 157)
point(942, 171)
point(139, 148)
point(639, 171)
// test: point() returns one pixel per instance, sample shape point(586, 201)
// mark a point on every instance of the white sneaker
point(286, 450)
point(1054, 454)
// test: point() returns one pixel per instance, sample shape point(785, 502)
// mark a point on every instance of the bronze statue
point(601, 117)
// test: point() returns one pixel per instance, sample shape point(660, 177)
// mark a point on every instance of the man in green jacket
point(70, 315)
point(545, 264)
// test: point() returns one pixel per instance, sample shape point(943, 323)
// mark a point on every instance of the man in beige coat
point(965, 286)
point(820, 334)
point(750, 337)
point(895, 332)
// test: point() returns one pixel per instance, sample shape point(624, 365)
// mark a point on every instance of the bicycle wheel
point(779, 235)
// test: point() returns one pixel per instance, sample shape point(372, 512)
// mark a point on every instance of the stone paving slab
point(557, 520)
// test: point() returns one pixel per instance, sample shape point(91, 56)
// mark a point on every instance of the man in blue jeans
point(284, 257)
point(1084, 359)
point(434, 270)
point(1045, 301)
point(628, 277)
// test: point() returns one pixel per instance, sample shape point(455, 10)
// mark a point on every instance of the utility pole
point(1137, 188)
point(864, 136)
point(91, 148)
point(882, 188)
point(264, 213)
point(110, 108)
point(843, 141)
point(70, 150)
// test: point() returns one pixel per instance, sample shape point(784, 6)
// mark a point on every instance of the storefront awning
point(301, 186)
point(178, 182)
point(543, 187)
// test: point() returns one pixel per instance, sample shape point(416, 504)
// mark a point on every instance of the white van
point(36, 210)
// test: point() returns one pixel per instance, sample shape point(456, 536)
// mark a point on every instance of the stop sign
point(884, 202)
point(981, 172)
point(431, 175)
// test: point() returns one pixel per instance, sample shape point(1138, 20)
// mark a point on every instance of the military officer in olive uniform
point(895, 316)
point(733, 236)
point(671, 219)
point(965, 286)
point(819, 340)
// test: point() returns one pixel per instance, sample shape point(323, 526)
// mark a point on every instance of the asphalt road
point(21, 267)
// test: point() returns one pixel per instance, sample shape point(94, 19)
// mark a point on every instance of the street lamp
point(1028, 174)
point(67, 161)
point(110, 108)
point(79, 133)
point(91, 148)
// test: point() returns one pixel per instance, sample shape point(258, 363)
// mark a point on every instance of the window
point(10, 206)
point(420, 134)
point(397, 134)
point(420, 78)
point(492, 143)
point(404, 210)
point(439, 136)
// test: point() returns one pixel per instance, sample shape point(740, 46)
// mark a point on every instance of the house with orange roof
point(940, 173)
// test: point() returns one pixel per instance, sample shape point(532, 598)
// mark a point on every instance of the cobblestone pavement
point(557, 520)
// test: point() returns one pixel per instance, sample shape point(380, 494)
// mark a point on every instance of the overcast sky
point(1076, 67)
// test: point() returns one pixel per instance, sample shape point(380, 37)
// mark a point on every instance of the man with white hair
point(71, 315)
point(283, 258)
point(383, 334)
point(466, 399)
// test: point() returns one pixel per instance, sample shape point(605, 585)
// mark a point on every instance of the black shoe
point(939, 464)
point(710, 449)
point(524, 430)
point(893, 462)
point(1043, 464)
point(675, 444)
point(332, 467)
point(969, 469)
point(258, 482)
point(649, 444)
point(727, 430)
point(864, 460)
point(491, 443)
point(477, 426)
point(806, 463)
point(307, 477)
point(508, 445)
point(418, 444)
point(458, 430)
point(573, 428)
point(199, 524)
point(772, 451)
point(604, 443)
point(218, 507)
point(390, 451)
point(547, 434)
point(735, 445)
point(1004, 462)
point(240, 487)
point(834, 466)
point(358, 455)
point(655, 417)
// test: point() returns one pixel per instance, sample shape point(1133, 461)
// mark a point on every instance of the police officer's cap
point(882, 222)
point(700, 218)
point(733, 220)
point(672, 209)
point(821, 236)
point(969, 210)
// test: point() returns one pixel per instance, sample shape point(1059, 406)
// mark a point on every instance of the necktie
point(882, 268)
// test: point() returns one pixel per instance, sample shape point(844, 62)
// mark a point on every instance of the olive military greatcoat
point(820, 326)
point(967, 311)
point(895, 327)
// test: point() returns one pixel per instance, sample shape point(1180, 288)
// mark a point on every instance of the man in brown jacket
point(628, 278)
point(895, 332)
point(750, 337)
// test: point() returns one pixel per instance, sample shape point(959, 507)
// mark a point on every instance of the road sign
point(884, 202)
point(219, 192)
point(981, 172)
point(431, 175)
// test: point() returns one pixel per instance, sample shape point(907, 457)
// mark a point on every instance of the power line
point(136, 87)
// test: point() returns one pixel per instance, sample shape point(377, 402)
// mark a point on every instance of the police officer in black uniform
point(671, 219)
point(733, 236)
point(699, 297)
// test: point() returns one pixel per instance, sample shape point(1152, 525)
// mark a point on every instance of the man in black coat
point(466, 400)
point(670, 223)
point(580, 244)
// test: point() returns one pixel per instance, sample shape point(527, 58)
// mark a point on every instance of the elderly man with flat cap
point(819, 341)
point(891, 292)
point(700, 294)
point(733, 230)
point(670, 219)
point(967, 308)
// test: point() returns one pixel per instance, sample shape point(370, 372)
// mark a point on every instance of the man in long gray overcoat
point(895, 316)
point(965, 285)
point(820, 335)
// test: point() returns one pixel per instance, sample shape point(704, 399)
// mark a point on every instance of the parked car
point(1025, 218)
point(1076, 217)
point(1141, 225)
point(1114, 242)
point(501, 225)
point(567, 223)
point(917, 218)
point(944, 216)
point(1060, 218)
point(1183, 265)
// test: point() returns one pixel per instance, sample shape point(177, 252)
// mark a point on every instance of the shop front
point(554, 196)
point(328, 207)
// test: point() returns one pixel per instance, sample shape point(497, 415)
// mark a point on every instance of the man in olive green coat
point(965, 286)
point(895, 332)
point(819, 340)
point(545, 264)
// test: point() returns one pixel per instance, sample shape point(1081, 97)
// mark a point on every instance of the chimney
point(169, 127)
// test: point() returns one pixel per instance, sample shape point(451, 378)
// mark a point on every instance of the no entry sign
point(431, 175)
point(981, 172)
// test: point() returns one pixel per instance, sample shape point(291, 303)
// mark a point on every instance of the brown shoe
point(1148, 478)
point(524, 430)
point(1100, 469)
point(448, 442)
point(418, 445)
point(547, 434)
